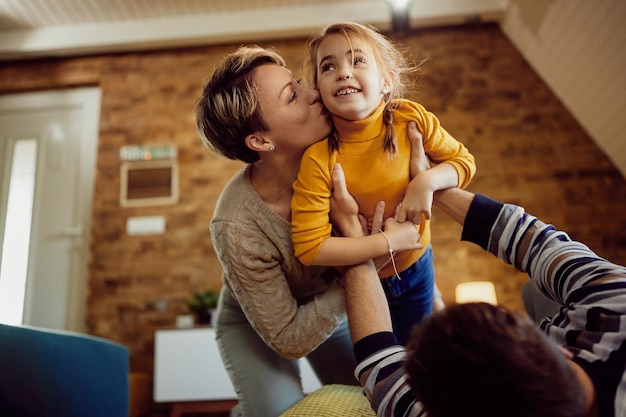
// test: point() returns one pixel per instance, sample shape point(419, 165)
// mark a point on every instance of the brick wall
point(529, 150)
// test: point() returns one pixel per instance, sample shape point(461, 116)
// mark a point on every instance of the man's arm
point(454, 202)
point(366, 304)
point(379, 358)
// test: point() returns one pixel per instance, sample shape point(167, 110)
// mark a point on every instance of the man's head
point(476, 359)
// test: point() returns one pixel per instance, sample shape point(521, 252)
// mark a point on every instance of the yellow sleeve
point(441, 146)
point(310, 205)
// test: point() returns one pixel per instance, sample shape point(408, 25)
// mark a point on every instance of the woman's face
point(294, 114)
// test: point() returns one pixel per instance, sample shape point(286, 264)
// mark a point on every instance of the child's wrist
point(391, 252)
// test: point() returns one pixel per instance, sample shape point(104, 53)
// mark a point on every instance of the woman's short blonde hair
point(228, 109)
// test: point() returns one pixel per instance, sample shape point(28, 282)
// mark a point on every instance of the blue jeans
point(411, 297)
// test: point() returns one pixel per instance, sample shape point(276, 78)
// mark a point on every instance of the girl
point(360, 75)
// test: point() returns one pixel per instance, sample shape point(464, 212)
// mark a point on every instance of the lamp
point(399, 14)
point(475, 291)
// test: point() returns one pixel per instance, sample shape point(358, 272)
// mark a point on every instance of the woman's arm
point(253, 244)
point(256, 272)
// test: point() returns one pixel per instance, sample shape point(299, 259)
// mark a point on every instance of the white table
point(183, 358)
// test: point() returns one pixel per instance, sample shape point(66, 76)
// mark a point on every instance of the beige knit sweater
point(292, 307)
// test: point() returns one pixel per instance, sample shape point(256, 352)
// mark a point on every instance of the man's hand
point(344, 210)
point(419, 161)
point(417, 202)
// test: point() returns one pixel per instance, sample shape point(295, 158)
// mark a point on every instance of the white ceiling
point(35, 28)
point(23, 14)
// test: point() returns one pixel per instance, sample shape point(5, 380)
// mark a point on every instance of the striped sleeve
point(381, 373)
point(557, 265)
point(591, 291)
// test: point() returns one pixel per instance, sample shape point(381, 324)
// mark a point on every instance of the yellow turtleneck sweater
point(371, 175)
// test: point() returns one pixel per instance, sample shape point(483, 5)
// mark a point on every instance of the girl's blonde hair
point(389, 57)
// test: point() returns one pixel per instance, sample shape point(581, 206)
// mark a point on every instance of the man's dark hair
point(477, 359)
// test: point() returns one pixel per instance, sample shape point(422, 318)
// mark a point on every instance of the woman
point(254, 110)
point(272, 309)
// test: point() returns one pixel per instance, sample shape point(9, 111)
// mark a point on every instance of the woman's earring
point(272, 148)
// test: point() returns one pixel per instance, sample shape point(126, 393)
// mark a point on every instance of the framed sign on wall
point(149, 176)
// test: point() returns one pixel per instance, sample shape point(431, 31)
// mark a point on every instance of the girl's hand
point(402, 235)
point(418, 200)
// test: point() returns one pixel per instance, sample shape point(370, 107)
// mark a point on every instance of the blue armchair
point(50, 373)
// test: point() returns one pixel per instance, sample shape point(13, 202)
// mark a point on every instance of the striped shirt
point(591, 321)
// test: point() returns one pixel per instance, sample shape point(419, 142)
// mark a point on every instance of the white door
point(65, 127)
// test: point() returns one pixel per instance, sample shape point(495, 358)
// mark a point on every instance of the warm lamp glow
point(468, 292)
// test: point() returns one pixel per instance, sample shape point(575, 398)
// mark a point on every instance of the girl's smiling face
point(348, 77)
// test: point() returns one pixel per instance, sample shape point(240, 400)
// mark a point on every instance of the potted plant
point(203, 303)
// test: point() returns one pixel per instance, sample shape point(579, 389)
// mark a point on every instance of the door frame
point(88, 100)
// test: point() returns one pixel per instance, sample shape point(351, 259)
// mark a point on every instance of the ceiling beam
point(218, 28)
